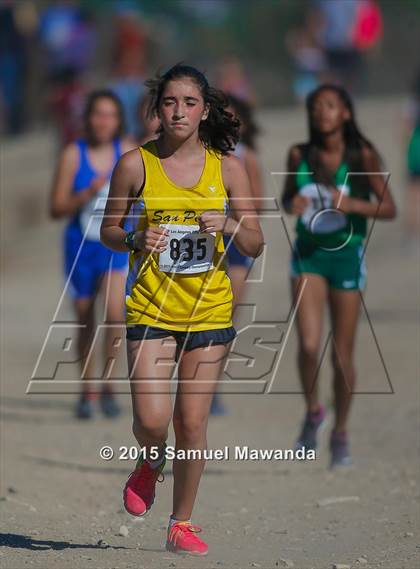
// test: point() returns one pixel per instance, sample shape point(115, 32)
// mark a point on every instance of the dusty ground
point(59, 499)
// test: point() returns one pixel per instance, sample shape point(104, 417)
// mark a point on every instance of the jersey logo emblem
point(212, 188)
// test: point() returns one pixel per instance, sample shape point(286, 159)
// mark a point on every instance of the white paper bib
point(320, 216)
point(188, 251)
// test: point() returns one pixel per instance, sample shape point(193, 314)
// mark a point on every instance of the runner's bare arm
point(243, 219)
point(384, 206)
point(63, 201)
point(379, 186)
point(127, 179)
point(253, 170)
point(292, 202)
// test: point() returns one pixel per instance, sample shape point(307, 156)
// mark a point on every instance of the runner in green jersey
point(331, 182)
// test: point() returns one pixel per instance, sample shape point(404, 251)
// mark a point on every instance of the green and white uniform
point(413, 153)
point(329, 243)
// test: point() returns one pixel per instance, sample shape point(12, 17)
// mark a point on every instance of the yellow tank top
point(186, 287)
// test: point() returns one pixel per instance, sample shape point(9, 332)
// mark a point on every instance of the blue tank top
point(83, 178)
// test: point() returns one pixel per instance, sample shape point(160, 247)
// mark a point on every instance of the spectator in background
point(232, 79)
point(68, 38)
point(347, 30)
point(129, 64)
point(12, 70)
point(65, 102)
point(308, 56)
point(336, 21)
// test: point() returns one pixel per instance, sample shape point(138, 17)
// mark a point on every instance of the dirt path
point(59, 499)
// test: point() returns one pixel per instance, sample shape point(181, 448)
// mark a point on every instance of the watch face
point(129, 240)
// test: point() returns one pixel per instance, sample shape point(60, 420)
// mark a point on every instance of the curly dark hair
point(220, 131)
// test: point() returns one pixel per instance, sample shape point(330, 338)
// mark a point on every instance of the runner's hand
point(211, 221)
point(299, 204)
point(152, 239)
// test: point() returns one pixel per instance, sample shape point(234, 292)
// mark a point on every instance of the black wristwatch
point(129, 240)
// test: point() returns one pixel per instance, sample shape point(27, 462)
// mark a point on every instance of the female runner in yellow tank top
point(177, 286)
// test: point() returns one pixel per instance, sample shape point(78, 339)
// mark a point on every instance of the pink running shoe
point(182, 539)
point(139, 490)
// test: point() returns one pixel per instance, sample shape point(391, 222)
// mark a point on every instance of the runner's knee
point(190, 429)
point(151, 426)
point(309, 348)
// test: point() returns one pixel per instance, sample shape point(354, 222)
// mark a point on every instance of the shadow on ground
point(17, 541)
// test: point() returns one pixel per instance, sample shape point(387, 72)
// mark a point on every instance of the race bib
point(188, 251)
point(92, 214)
point(320, 216)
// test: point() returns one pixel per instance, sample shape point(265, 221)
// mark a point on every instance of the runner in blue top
point(81, 180)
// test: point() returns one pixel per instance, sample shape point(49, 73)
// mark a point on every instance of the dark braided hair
point(220, 131)
point(354, 141)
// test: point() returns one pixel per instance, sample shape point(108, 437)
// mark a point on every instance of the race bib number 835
point(188, 251)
